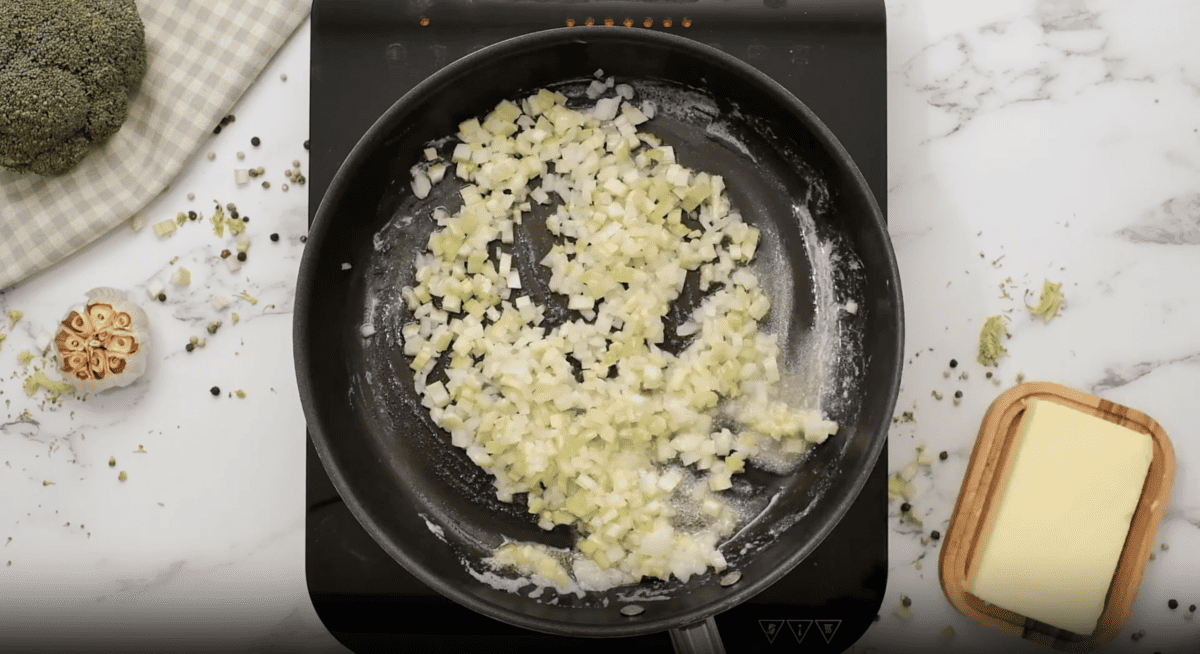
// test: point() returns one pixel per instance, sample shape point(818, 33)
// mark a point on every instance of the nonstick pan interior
point(423, 500)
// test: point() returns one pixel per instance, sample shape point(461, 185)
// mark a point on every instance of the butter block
point(1063, 517)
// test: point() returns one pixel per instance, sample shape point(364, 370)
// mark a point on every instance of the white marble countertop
point(1028, 140)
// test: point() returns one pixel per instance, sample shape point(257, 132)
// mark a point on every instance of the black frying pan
point(421, 499)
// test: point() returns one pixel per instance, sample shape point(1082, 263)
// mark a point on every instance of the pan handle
point(698, 638)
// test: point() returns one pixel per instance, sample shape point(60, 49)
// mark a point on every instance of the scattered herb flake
point(24, 357)
point(235, 226)
point(218, 221)
point(990, 348)
point(14, 317)
point(240, 393)
point(948, 633)
point(247, 297)
point(47, 483)
point(898, 486)
point(122, 476)
point(234, 318)
point(183, 277)
point(1049, 303)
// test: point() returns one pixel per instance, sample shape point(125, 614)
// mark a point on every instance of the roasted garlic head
point(103, 343)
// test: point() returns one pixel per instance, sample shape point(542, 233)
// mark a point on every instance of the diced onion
point(636, 461)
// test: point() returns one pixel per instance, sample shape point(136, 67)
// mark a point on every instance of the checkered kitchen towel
point(202, 55)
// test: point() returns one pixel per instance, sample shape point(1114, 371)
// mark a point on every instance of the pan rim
point(387, 123)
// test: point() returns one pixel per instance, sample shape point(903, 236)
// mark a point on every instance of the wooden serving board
point(986, 477)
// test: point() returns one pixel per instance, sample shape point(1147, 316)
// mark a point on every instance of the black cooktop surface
point(365, 55)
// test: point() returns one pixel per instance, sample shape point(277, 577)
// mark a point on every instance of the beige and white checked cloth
point(202, 56)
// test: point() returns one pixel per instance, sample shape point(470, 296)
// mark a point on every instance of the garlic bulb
point(103, 343)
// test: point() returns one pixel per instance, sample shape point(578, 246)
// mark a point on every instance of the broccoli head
point(66, 70)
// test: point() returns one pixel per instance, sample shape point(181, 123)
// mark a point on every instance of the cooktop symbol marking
point(799, 628)
point(771, 628)
point(828, 628)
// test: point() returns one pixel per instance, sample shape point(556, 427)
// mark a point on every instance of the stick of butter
point(1063, 517)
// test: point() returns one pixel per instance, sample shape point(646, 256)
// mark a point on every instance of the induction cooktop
point(365, 55)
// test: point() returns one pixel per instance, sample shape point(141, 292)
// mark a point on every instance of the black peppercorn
point(305, 144)
point(234, 214)
point(1172, 604)
point(303, 239)
point(953, 363)
point(944, 455)
point(906, 601)
point(162, 297)
point(1192, 608)
point(192, 215)
point(189, 347)
point(254, 141)
point(274, 237)
point(935, 534)
point(988, 374)
point(217, 129)
point(215, 391)
point(958, 394)
point(241, 256)
point(905, 507)
point(245, 219)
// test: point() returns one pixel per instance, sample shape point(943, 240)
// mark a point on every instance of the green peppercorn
point(905, 601)
point(112, 461)
point(266, 184)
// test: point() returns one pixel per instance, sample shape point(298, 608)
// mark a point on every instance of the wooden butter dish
point(978, 500)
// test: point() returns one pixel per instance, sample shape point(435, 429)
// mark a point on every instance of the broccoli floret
point(66, 70)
